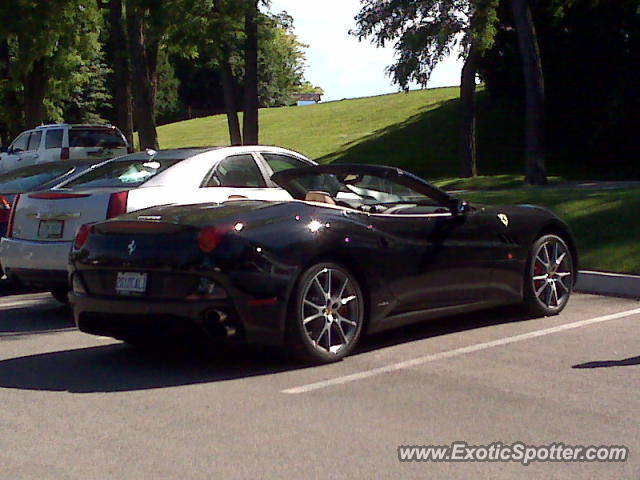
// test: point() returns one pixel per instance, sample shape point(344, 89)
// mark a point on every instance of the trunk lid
point(56, 215)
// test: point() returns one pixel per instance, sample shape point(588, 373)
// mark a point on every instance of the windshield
point(122, 173)
point(95, 137)
point(357, 190)
point(30, 178)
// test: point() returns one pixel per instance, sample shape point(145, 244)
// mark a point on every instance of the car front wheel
point(548, 279)
point(326, 314)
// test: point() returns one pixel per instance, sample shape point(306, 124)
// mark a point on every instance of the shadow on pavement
point(441, 326)
point(118, 367)
point(16, 322)
point(610, 363)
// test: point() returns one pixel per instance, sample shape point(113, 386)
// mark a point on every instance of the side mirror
point(460, 207)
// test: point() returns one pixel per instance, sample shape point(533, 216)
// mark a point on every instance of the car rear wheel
point(548, 279)
point(326, 314)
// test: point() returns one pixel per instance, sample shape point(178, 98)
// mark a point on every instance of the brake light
point(117, 204)
point(5, 209)
point(209, 238)
point(64, 153)
point(82, 236)
point(12, 216)
point(58, 196)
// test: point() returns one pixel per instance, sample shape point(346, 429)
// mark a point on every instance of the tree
point(425, 32)
point(250, 127)
point(144, 29)
point(535, 168)
point(116, 47)
point(48, 41)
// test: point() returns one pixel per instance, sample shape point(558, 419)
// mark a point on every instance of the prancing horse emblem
point(132, 247)
point(504, 219)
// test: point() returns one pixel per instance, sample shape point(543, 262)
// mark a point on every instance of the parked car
point(51, 143)
point(358, 249)
point(36, 248)
point(34, 178)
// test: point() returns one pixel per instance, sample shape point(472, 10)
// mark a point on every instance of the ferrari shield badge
point(504, 219)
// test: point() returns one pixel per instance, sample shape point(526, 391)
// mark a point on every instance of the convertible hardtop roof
point(285, 177)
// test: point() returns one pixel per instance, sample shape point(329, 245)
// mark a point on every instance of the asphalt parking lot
point(76, 406)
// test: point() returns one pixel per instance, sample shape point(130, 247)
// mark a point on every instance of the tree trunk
point(250, 128)
point(35, 84)
point(468, 115)
point(142, 80)
point(121, 70)
point(535, 168)
point(230, 103)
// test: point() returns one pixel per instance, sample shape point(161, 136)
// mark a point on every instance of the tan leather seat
point(320, 197)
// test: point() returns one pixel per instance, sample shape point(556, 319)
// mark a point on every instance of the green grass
point(605, 222)
point(417, 131)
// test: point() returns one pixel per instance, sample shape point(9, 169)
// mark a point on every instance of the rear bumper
point(35, 263)
point(218, 320)
point(34, 255)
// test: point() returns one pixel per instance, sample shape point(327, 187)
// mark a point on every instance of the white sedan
point(43, 225)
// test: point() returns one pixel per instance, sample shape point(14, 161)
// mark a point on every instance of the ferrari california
point(358, 249)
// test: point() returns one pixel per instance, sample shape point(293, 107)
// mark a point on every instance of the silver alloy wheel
point(551, 273)
point(330, 310)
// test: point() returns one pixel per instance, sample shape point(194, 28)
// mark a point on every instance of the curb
point(604, 283)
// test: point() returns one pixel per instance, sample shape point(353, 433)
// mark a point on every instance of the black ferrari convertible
point(358, 249)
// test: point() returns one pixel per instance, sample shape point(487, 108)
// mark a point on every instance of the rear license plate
point(50, 229)
point(129, 282)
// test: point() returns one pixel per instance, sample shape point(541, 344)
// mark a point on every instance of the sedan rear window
point(27, 179)
point(122, 173)
point(95, 137)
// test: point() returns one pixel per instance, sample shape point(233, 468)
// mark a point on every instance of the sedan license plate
point(51, 229)
point(129, 282)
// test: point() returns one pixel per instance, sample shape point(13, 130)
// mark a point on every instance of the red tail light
point(209, 238)
point(117, 204)
point(82, 236)
point(64, 153)
point(12, 216)
point(5, 209)
point(57, 196)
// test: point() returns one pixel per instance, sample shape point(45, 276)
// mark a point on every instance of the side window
point(237, 171)
point(53, 139)
point(20, 144)
point(34, 141)
point(279, 162)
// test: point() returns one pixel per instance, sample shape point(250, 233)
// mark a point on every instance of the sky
point(338, 62)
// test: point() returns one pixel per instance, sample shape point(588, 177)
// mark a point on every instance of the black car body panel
point(411, 266)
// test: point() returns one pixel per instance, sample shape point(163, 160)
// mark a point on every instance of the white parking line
point(455, 353)
point(24, 303)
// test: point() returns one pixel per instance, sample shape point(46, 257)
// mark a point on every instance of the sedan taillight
point(12, 216)
point(117, 204)
point(5, 209)
point(82, 236)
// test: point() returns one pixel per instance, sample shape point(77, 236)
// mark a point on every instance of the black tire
point(540, 282)
point(338, 321)
point(61, 295)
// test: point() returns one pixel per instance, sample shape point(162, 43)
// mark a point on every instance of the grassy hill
point(417, 131)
